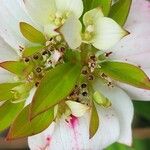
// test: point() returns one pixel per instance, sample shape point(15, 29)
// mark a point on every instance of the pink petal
point(135, 48)
point(73, 133)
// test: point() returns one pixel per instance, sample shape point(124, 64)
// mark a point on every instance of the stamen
point(84, 93)
point(84, 85)
point(26, 59)
point(38, 70)
point(35, 57)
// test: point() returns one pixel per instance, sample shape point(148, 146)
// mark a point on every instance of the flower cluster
point(62, 71)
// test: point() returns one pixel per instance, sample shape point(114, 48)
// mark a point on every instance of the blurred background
point(141, 132)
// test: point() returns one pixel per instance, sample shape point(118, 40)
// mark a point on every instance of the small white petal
point(73, 6)
point(77, 109)
point(71, 31)
point(40, 10)
point(29, 99)
point(123, 106)
point(49, 30)
point(91, 16)
point(107, 33)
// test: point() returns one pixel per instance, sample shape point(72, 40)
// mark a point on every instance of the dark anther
point(37, 84)
point(38, 69)
point(103, 75)
point(45, 53)
point(83, 85)
point(84, 72)
point(108, 54)
point(93, 57)
point(50, 39)
point(84, 93)
point(36, 57)
point(91, 77)
point(26, 59)
point(62, 49)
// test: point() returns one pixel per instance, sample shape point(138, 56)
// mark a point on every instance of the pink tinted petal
point(135, 48)
point(43, 140)
point(72, 133)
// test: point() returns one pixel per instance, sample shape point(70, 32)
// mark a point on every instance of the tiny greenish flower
point(61, 73)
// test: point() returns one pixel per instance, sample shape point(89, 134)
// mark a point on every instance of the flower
point(56, 28)
point(102, 32)
point(134, 48)
point(53, 14)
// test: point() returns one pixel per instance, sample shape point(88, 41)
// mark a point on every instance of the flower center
point(89, 33)
point(41, 62)
point(59, 18)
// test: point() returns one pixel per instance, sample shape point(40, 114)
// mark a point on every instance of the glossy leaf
point(5, 90)
point(16, 67)
point(23, 126)
point(104, 4)
point(72, 56)
point(32, 34)
point(101, 100)
point(94, 122)
point(120, 10)
point(8, 112)
point(55, 86)
point(126, 73)
point(32, 50)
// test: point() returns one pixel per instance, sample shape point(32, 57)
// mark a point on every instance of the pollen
point(59, 18)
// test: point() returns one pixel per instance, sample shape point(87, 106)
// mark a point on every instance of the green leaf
point(137, 145)
point(120, 10)
point(8, 112)
point(32, 50)
point(24, 127)
point(55, 87)
point(5, 90)
point(72, 56)
point(16, 67)
point(126, 73)
point(101, 100)
point(142, 109)
point(94, 122)
point(104, 4)
point(32, 34)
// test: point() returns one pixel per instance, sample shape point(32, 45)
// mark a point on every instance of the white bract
point(54, 17)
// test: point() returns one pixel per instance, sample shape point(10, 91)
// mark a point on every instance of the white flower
point(135, 47)
point(102, 32)
point(47, 15)
point(115, 125)
point(53, 14)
